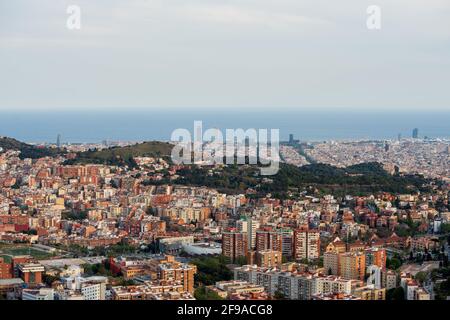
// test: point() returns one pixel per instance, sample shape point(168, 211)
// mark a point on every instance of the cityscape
point(355, 220)
point(227, 158)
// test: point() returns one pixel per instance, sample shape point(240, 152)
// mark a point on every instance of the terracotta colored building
point(5, 269)
point(234, 244)
point(31, 273)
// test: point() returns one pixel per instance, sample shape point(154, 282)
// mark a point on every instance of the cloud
point(234, 15)
point(224, 52)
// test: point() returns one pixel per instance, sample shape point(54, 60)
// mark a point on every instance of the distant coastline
point(135, 125)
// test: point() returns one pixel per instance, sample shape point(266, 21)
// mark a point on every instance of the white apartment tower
point(252, 226)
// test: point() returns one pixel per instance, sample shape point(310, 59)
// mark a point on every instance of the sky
point(219, 54)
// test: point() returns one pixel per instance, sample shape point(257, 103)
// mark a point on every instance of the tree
point(31, 232)
point(278, 295)
point(320, 262)
point(125, 283)
point(74, 215)
point(241, 261)
point(445, 228)
point(395, 294)
point(49, 279)
point(211, 269)
point(16, 185)
point(393, 263)
point(421, 276)
point(202, 293)
point(304, 261)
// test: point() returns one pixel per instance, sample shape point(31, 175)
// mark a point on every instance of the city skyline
point(133, 125)
point(217, 158)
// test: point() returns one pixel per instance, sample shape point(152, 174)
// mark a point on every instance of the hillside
point(123, 155)
point(27, 150)
point(362, 179)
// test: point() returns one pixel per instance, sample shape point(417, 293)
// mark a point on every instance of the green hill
point(27, 150)
point(123, 155)
point(361, 179)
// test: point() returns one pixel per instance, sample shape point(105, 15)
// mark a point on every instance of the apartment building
point(38, 294)
point(268, 239)
point(226, 289)
point(172, 270)
point(31, 273)
point(92, 288)
point(370, 293)
point(5, 269)
point(352, 265)
point(331, 263)
point(252, 226)
point(294, 286)
point(268, 258)
point(234, 245)
point(306, 244)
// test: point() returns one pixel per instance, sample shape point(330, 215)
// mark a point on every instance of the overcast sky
point(224, 53)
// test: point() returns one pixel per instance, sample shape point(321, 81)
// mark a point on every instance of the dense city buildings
point(418, 156)
point(147, 229)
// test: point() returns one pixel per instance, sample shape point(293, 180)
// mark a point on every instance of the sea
point(92, 126)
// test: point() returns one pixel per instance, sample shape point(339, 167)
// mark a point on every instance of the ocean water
point(138, 125)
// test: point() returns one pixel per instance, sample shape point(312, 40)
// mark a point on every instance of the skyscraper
point(252, 226)
point(58, 140)
point(287, 237)
point(415, 133)
point(291, 138)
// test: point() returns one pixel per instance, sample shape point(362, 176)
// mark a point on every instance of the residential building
point(234, 245)
point(352, 265)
